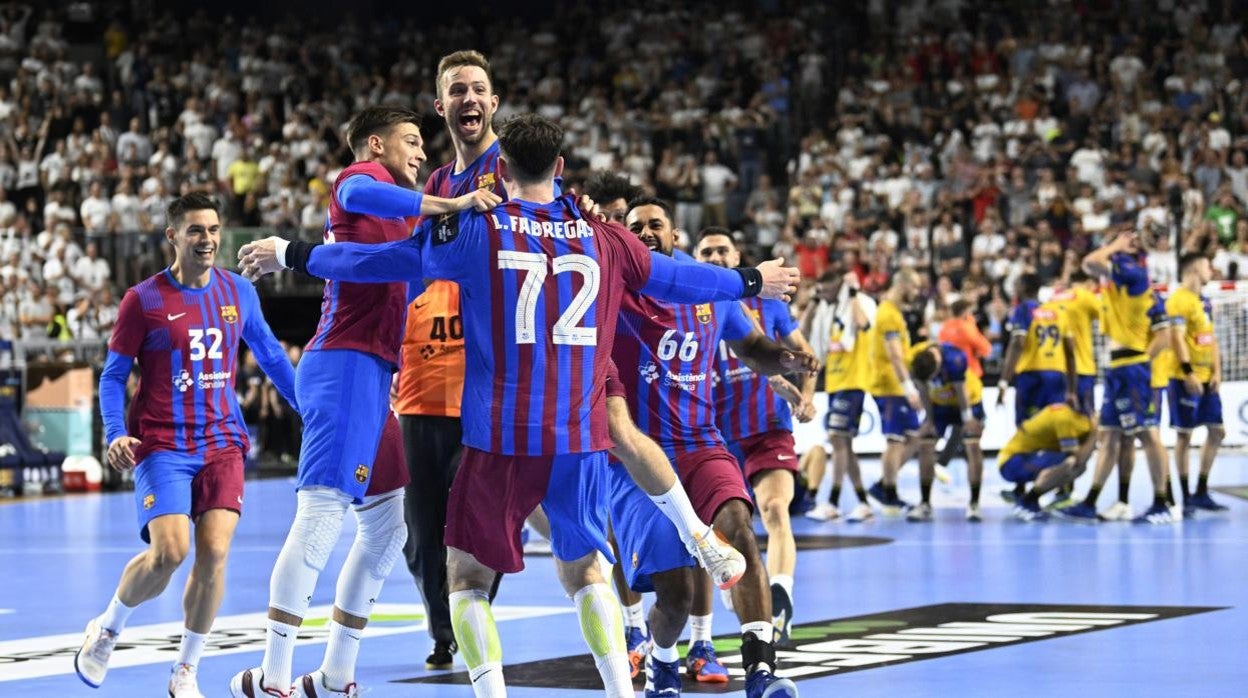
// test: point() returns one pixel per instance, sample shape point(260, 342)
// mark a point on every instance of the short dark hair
point(1030, 285)
point(653, 201)
point(195, 201)
point(531, 144)
point(1079, 276)
point(605, 187)
point(716, 230)
point(924, 366)
point(377, 121)
point(959, 306)
point(1188, 259)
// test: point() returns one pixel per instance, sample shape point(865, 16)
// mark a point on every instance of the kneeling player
point(1049, 449)
point(955, 395)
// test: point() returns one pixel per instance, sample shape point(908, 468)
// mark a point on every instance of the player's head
point(960, 307)
point(926, 364)
point(1196, 267)
point(1027, 287)
point(528, 151)
point(905, 286)
point(194, 231)
point(1079, 277)
point(466, 96)
point(650, 219)
point(612, 194)
point(716, 246)
point(389, 136)
point(1134, 246)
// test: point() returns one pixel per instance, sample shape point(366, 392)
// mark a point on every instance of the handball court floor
point(882, 608)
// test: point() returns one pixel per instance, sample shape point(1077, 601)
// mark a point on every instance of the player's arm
point(124, 344)
point(1215, 379)
point(1099, 263)
point(796, 341)
point(896, 357)
point(1072, 377)
point(265, 347)
point(1020, 325)
point(758, 351)
point(927, 430)
point(363, 195)
point(398, 261)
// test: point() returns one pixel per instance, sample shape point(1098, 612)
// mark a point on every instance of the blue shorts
point(647, 540)
point(343, 396)
point(1128, 403)
point(945, 417)
point(844, 412)
point(1025, 467)
point(1188, 412)
point(897, 419)
point(1086, 390)
point(172, 482)
point(1036, 390)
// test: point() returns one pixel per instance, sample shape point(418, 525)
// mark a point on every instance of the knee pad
point(382, 531)
point(318, 521)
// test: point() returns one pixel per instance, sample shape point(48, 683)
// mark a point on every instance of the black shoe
point(781, 616)
point(442, 657)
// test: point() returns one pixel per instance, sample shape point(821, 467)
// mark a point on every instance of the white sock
point(676, 506)
point(762, 629)
point(785, 582)
point(700, 628)
point(665, 654)
point(340, 654)
point(635, 616)
point(603, 627)
point(192, 648)
point(487, 680)
point(279, 650)
point(115, 616)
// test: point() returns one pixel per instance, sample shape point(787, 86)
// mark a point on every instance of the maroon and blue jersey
point(362, 317)
point(481, 174)
point(745, 404)
point(186, 343)
point(670, 351)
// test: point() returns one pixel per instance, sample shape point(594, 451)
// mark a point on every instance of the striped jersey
point(185, 341)
point(540, 288)
point(481, 174)
point(431, 377)
point(666, 356)
point(745, 404)
point(362, 317)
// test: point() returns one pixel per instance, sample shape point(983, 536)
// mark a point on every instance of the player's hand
point(973, 428)
point(786, 390)
point(916, 402)
point(799, 361)
point(1072, 399)
point(589, 207)
point(479, 200)
point(258, 258)
point(779, 281)
point(927, 430)
point(1215, 382)
point(1192, 385)
point(805, 412)
point(121, 452)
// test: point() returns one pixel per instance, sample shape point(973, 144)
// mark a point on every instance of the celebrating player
point(186, 435)
point(955, 395)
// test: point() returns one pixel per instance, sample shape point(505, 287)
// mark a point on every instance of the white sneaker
point(972, 513)
point(861, 513)
point(91, 662)
point(313, 686)
point(1176, 512)
point(249, 684)
point(720, 560)
point(1120, 511)
point(183, 682)
point(920, 513)
point(942, 474)
point(824, 512)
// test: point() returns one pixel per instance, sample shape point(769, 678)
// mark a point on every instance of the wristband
point(752, 278)
point(1187, 368)
point(909, 388)
point(296, 255)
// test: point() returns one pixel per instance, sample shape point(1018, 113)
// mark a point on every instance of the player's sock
point(1169, 492)
point(812, 493)
point(1094, 493)
point(279, 651)
point(1202, 484)
point(676, 506)
point(1124, 490)
point(925, 490)
point(756, 650)
point(861, 494)
point(1031, 498)
point(191, 648)
point(890, 491)
point(1159, 499)
point(115, 616)
point(1183, 485)
point(665, 654)
point(784, 581)
point(975, 492)
point(699, 628)
point(603, 628)
point(635, 616)
point(477, 637)
point(338, 666)
point(834, 497)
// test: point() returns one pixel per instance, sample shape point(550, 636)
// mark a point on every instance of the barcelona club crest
point(485, 181)
point(149, 501)
point(229, 313)
point(703, 312)
point(361, 473)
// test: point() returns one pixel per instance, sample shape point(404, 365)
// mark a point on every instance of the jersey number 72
point(567, 329)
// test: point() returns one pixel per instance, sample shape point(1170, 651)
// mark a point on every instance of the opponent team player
point(894, 392)
point(1050, 449)
point(185, 433)
point(1040, 358)
point(954, 406)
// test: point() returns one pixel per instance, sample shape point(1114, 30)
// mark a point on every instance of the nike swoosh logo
point(784, 457)
point(654, 317)
point(173, 317)
point(279, 633)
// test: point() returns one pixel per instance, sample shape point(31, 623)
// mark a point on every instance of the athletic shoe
point(442, 657)
point(1204, 502)
point(781, 615)
point(1009, 497)
point(313, 686)
point(702, 664)
point(1081, 512)
point(249, 683)
point(1156, 514)
point(1061, 502)
point(91, 662)
point(972, 514)
point(861, 513)
point(764, 684)
point(183, 683)
point(639, 646)
point(1029, 512)
point(663, 678)
point(803, 501)
point(1189, 510)
point(1176, 512)
point(876, 491)
point(920, 513)
point(824, 512)
point(892, 506)
point(721, 561)
point(942, 474)
point(1120, 511)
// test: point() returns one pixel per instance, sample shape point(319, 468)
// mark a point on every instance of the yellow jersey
point(1081, 307)
point(1045, 328)
point(1188, 311)
point(1126, 300)
point(850, 369)
point(1054, 428)
point(953, 370)
point(889, 325)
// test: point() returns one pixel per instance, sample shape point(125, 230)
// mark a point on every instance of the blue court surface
point(885, 608)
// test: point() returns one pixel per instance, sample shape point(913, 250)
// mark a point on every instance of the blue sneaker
point(1009, 497)
point(702, 664)
point(639, 646)
point(1081, 512)
point(1029, 512)
point(803, 501)
point(781, 615)
point(1156, 514)
point(662, 678)
point(764, 684)
point(1204, 502)
point(876, 492)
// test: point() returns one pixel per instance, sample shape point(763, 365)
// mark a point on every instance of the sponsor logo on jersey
point(229, 313)
point(446, 229)
point(182, 381)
